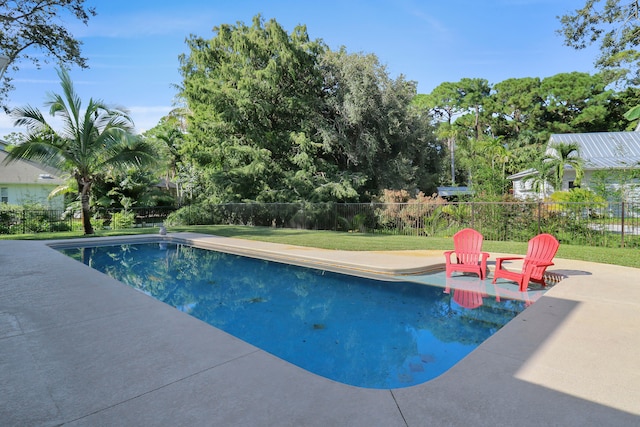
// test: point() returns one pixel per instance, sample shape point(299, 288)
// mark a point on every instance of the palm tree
point(498, 152)
point(170, 139)
point(91, 142)
point(558, 156)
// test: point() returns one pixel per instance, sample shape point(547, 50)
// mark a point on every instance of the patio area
point(78, 348)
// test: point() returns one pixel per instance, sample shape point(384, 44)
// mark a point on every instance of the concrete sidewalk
point(79, 348)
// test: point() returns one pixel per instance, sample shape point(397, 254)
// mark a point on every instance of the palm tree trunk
point(85, 187)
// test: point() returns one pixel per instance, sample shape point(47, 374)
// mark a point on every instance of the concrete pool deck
point(78, 348)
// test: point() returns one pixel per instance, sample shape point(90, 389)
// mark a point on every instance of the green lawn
point(362, 242)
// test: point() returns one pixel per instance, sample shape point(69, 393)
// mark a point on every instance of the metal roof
point(602, 150)
point(523, 174)
point(454, 191)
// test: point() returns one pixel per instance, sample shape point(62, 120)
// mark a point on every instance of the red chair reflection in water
point(466, 293)
point(469, 258)
point(540, 252)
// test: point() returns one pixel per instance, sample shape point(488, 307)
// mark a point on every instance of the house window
point(4, 195)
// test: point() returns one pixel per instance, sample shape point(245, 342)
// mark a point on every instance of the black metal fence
point(28, 221)
point(604, 224)
point(33, 221)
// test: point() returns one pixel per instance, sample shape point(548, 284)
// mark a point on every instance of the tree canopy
point(500, 129)
point(615, 24)
point(31, 24)
point(280, 117)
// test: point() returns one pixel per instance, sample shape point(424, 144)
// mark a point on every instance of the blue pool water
point(363, 332)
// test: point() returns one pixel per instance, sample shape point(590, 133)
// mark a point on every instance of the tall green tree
point(168, 137)
point(93, 140)
point(251, 92)
point(445, 102)
point(575, 102)
point(516, 106)
point(464, 103)
point(279, 117)
point(467, 159)
point(34, 25)
point(474, 96)
point(371, 127)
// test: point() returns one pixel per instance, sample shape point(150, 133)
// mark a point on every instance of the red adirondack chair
point(540, 252)
point(469, 257)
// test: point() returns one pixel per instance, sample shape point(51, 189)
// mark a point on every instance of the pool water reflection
point(363, 332)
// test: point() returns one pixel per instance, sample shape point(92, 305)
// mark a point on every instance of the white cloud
point(147, 117)
point(37, 81)
point(6, 125)
point(144, 118)
point(144, 23)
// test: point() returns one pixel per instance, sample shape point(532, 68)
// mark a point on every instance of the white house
point(25, 181)
point(523, 185)
point(600, 151)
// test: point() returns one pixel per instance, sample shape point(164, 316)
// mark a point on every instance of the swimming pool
point(362, 332)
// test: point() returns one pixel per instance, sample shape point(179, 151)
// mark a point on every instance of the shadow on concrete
point(487, 388)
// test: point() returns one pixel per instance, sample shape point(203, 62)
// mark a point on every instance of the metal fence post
point(539, 217)
point(473, 214)
point(622, 224)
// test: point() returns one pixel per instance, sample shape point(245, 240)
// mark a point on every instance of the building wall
point(631, 190)
point(18, 194)
point(523, 189)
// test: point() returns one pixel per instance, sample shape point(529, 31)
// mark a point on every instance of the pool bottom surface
point(357, 331)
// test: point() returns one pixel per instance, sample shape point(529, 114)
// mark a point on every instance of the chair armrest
point(509, 258)
point(533, 265)
point(543, 264)
point(447, 256)
point(499, 260)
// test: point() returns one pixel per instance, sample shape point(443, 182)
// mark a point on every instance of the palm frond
point(127, 151)
point(116, 118)
point(62, 189)
point(30, 118)
point(43, 151)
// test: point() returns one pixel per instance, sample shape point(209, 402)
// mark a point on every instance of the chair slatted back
point(541, 250)
point(467, 298)
point(468, 245)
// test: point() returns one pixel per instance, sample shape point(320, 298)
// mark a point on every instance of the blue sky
point(133, 46)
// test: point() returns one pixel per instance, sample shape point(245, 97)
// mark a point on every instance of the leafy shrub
point(357, 223)
point(434, 222)
point(123, 219)
point(577, 195)
point(96, 224)
point(400, 211)
point(460, 213)
point(197, 214)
